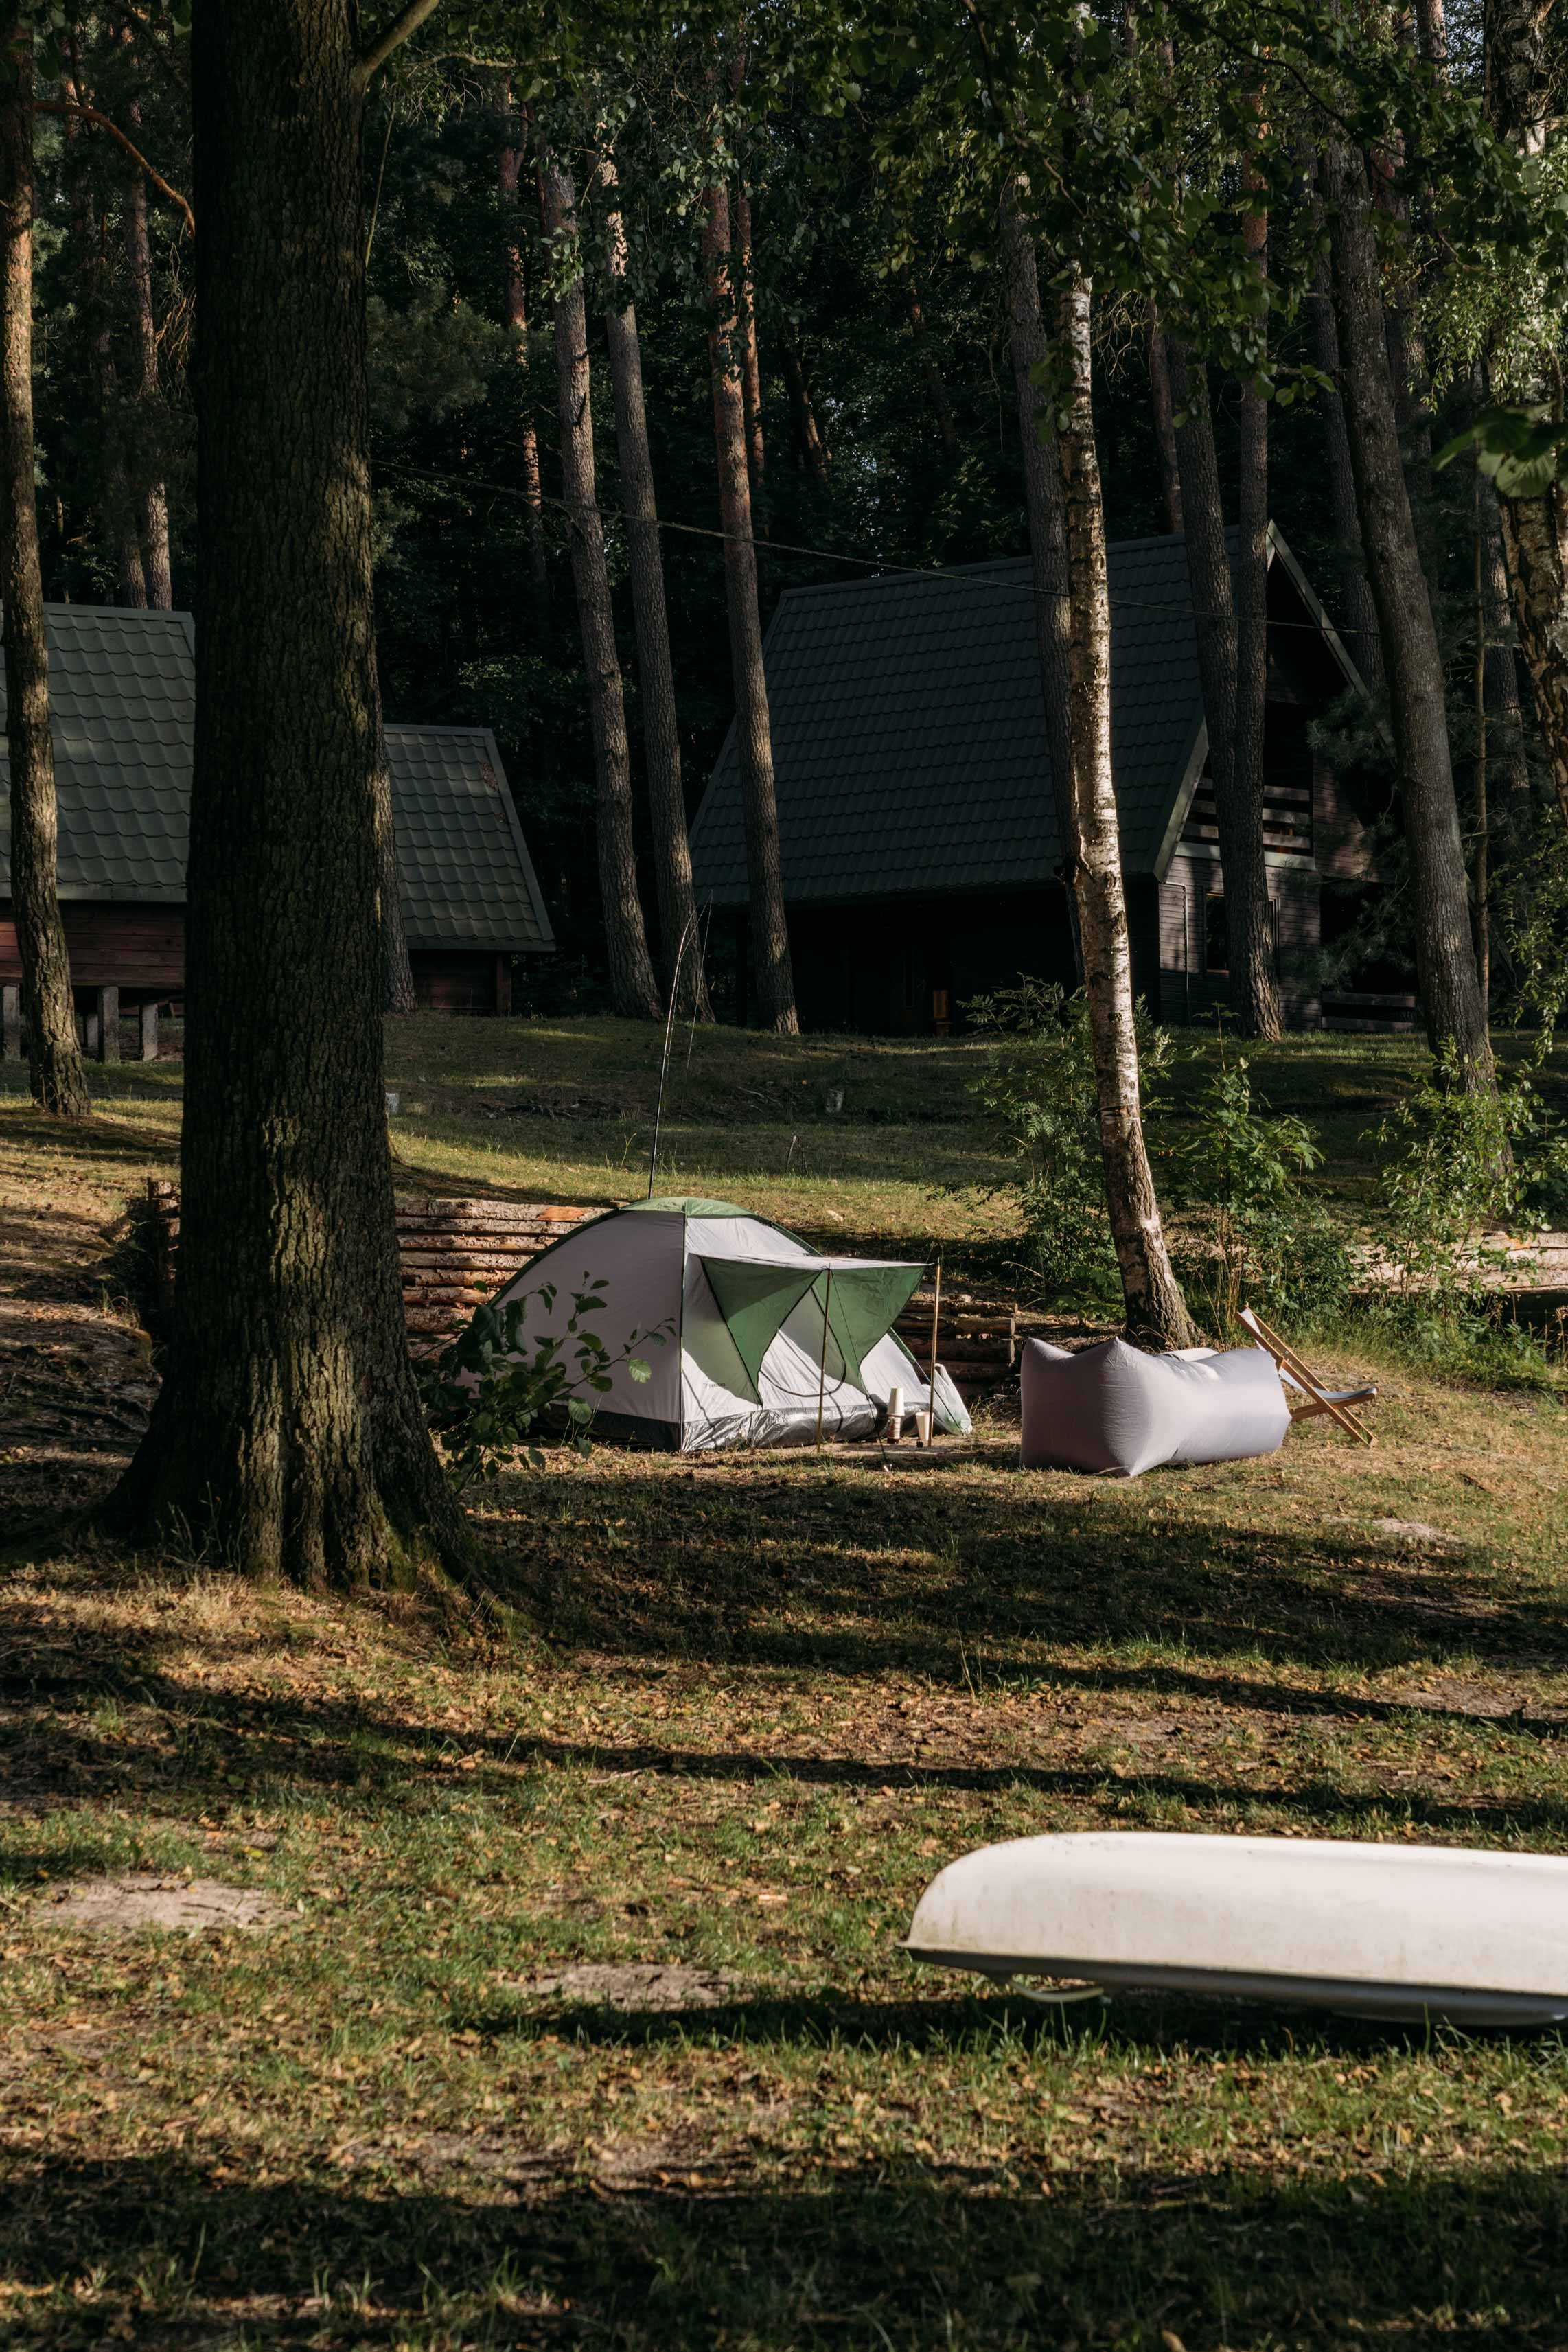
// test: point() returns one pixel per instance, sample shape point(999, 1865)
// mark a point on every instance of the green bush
point(491, 1398)
point(1038, 1085)
point(1252, 1236)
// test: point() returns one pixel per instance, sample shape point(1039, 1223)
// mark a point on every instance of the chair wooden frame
point(1335, 1402)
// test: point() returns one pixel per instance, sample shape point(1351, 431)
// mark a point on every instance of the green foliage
point(1254, 1238)
point(492, 1400)
point(1454, 1163)
point(1038, 1085)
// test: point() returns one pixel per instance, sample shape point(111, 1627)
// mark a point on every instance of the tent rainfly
point(744, 1329)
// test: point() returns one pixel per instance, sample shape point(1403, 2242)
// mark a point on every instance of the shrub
point(1254, 1238)
point(490, 1399)
point(1038, 1085)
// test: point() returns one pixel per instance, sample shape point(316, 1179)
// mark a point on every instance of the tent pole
point(931, 1384)
point(664, 1065)
point(821, 1368)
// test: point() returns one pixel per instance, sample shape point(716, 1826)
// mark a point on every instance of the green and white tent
point(751, 1328)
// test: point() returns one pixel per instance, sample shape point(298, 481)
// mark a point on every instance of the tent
point(750, 1328)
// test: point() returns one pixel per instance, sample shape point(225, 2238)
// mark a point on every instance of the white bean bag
point(1111, 1410)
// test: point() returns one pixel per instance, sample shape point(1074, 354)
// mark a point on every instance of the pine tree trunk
point(287, 1439)
point(1534, 531)
point(54, 1064)
point(1164, 413)
point(1358, 614)
point(119, 519)
point(517, 327)
point(750, 360)
point(1507, 759)
point(1444, 954)
point(1254, 979)
point(1046, 518)
point(1156, 1313)
point(769, 926)
point(810, 447)
point(1238, 805)
point(650, 618)
point(632, 988)
point(936, 391)
point(158, 575)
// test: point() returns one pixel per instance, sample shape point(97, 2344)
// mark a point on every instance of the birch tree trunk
point(517, 327)
point(287, 1437)
point(159, 578)
point(54, 1064)
point(632, 988)
point(1238, 805)
point(1444, 952)
point(772, 970)
point(650, 618)
point(1358, 614)
point(1046, 518)
point(1254, 979)
point(1506, 760)
point(1156, 1313)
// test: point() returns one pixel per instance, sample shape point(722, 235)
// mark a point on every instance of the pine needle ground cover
point(557, 1998)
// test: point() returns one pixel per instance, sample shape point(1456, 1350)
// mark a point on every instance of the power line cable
point(968, 577)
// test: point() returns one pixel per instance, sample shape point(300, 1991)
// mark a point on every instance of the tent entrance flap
point(756, 1296)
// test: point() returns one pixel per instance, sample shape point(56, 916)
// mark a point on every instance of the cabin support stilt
point(11, 1022)
point(149, 1029)
point(108, 1025)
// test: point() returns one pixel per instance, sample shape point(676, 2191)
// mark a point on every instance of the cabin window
point(1217, 934)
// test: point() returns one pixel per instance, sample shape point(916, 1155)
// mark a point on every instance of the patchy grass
point(586, 2022)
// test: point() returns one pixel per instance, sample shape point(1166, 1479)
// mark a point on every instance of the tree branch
point(408, 19)
point(101, 122)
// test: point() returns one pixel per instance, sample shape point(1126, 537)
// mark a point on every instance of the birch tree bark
point(1444, 952)
point(1156, 1313)
point(1238, 805)
point(651, 619)
point(287, 1437)
point(772, 970)
point(633, 987)
point(1046, 517)
point(1254, 979)
point(54, 1064)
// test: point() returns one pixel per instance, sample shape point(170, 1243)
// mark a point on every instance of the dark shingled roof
point(909, 736)
point(122, 704)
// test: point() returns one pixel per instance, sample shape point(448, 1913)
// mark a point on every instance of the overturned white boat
point(1372, 1930)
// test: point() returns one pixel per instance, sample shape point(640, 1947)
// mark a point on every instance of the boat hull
point(1390, 1932)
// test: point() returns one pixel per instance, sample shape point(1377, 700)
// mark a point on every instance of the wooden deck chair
point(1316, 1397)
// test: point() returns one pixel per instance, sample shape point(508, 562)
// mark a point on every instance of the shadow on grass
point(512, 2248)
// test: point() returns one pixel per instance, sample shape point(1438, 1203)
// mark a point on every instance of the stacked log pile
point(977, 1338)
point(455, 1254)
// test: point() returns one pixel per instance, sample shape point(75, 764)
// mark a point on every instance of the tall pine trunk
point(517, 327)
point(1047, 516)
point(288, 1438)
point(1254, 979)
point(750, 356)
point(1534, 529)
point(157, 573)
point(1444, 954)
point(651, 619)
point(809, 445)
point(773, 970)
point(632, 988)
point(1238, 805)
point(1358, 614)
point(1163, 410)
point(54, 1064)
point(1156, 1313)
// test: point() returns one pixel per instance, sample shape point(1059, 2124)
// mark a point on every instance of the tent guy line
point(965, 577)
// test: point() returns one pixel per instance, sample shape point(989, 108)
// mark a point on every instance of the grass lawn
point(578, 2016)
